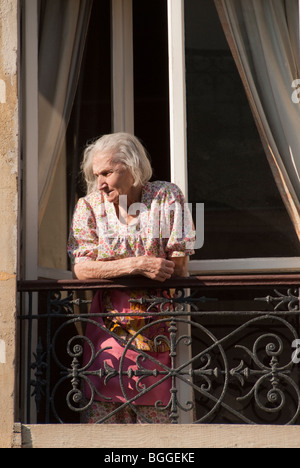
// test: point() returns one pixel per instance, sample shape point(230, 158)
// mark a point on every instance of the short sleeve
point(178, 217)
point(83, 238)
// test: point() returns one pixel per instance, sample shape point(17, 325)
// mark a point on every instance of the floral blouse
point(163, 228)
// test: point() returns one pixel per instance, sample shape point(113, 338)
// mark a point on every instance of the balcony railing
point(233, 343)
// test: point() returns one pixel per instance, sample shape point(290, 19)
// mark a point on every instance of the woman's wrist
point(136, 265)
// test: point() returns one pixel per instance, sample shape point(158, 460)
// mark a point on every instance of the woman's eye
point(103, 174)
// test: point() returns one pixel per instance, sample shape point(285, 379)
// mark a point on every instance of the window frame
point(30, 138)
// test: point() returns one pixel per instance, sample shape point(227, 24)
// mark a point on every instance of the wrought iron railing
point(233, 344)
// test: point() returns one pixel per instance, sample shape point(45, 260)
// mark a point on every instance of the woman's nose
point(101, 182)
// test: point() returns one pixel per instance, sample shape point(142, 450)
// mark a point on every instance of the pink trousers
point(116, 374)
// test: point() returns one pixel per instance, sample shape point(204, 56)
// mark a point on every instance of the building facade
point(150, 70)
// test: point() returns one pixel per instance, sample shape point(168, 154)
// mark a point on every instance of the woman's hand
point(159, 269)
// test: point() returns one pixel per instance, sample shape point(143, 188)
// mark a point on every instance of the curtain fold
point(63, 29)
point(264, 39)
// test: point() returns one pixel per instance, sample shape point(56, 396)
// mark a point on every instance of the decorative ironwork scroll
point(237, 365)
point(288, 302)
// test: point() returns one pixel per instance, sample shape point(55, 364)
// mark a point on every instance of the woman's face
point(114, 179)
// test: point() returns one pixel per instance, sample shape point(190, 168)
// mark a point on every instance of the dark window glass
point(227, 167)
point(151, 82)
point(91, 116)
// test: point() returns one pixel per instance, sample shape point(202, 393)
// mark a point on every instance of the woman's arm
point(158, 269)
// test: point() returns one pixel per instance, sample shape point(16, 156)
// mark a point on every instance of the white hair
point(124, 148)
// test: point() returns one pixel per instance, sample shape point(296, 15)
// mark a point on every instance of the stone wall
point(9, 157)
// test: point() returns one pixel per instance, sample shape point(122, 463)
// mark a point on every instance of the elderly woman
point(124, 226)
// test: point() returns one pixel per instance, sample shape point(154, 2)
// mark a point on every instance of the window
point(150, 68)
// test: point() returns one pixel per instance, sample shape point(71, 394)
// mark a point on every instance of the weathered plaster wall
point(9, 156)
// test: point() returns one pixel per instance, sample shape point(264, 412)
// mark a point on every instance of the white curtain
point(264, 38)
point(63, 28)
point(62, 33)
